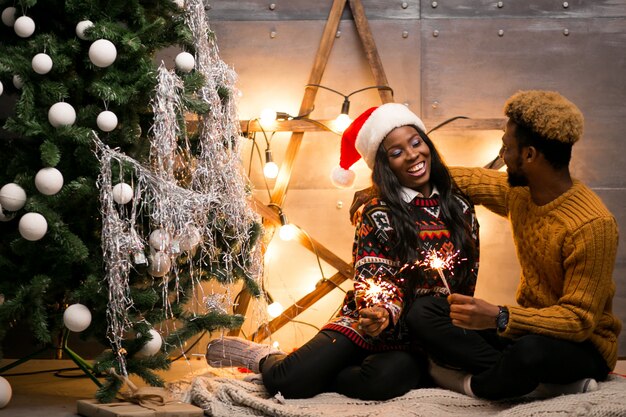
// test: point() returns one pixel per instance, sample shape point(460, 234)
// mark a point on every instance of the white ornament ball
point(24, 26)
point(61, 114)
point(12, 197)
point(42, 63)
point(185, 62)
point(106, 121)
point(17, 82)
point(49, 181)
point(159, 264)
point(8, 16)
point(5, 392)
point(1, 88)
point(77, 317)
point(152, 346)
point(102, 53)
point(179, 3)
point(122, 193)
point(33, 226)
point(81, 27)
point(159, 239)
point(189, 239)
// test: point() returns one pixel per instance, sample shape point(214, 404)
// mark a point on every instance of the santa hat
point(363, 137)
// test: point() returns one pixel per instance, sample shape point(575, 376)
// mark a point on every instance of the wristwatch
point(502, 319)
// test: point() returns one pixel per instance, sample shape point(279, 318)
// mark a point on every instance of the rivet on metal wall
point(272, 6)
point(566, 32)
point(565, 5)
point(338, 34)
point(501, 33)
point(405, 34)
point(405, 4)
point(435, 33)
point(500, 5)
point(435, 104)
point(433, 4)
point(272, 34)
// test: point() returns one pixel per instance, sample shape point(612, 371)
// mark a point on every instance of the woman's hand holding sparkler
point(472, 313)
point(373, 320)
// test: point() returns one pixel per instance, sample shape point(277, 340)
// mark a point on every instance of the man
point(562, 335)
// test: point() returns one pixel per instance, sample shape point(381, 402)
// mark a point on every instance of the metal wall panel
point(483, 9)
point(256, 10)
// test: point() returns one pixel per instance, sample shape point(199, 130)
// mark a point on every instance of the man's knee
point(426, 312)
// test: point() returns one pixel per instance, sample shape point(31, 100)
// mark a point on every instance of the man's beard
point(517, 178)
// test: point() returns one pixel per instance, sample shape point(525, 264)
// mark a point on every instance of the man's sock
point(576, 387)
point(451, 379)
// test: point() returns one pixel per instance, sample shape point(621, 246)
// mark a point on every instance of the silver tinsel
point(215, 204)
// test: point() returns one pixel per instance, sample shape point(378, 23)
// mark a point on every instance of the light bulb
point(342, 122)
point(275, 309)
point(276, 345)
point(268, 116)
point(270, 170)
point(287, 232)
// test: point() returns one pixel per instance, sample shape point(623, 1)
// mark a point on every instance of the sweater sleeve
point(376, 280)
point(483, 186)
point(589, 256)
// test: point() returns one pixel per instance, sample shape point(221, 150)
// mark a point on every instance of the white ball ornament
point(159, 239)
point(122, 193)
point(61, 114)
point(17, 82)
point(33, 226)
point(81, 27)
point(41, 63)
point(185, 62)
point(159, 264)
point(8, 16)
point(106, 121)
point(49, 181)
point(12, 197)
point(1, 88)
point(24, 26)
point(102, 53)
point(5, 392)
point(179, 3)
point(190, 239)
point(152, 346)
point(77, 317)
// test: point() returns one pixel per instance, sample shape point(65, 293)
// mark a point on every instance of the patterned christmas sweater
point(380, 277)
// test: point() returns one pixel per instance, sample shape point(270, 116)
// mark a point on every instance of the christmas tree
point(114, 212)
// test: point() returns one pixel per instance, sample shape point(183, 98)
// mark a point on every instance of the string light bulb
point(268, 117)
point(270, 169)
point(275, 309)
point(287, 231)
point(343, 120)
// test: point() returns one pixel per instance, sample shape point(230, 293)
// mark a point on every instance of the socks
point(576, 387)
point(235, 351)
point(451, 379)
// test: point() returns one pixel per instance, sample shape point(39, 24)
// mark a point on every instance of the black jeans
point(501, 367)
point(330, 362)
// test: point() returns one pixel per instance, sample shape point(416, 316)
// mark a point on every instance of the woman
point(415, 216)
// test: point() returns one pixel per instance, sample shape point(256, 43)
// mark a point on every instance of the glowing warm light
point(270, 170)
point(287, 232)
point(342, 122)
point(276, 345)
point(433, 260)
point(268, 116)
point(275, 309)
point(376, 291)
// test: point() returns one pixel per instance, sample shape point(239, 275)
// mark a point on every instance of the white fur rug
point(233, 397)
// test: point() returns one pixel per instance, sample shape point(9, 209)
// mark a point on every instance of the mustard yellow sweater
point(566, 251)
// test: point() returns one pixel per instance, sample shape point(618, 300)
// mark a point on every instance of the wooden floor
point(38, 392)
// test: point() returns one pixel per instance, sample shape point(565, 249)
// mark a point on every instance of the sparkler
point(433, 260)
point(376, 292)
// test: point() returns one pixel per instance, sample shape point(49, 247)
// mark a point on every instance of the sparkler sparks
point(376, 291)
point(435, 261)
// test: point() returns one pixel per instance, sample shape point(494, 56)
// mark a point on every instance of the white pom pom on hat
point(363, 137)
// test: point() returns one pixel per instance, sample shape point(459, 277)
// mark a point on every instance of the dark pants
point(330, 362)
point(501, 367)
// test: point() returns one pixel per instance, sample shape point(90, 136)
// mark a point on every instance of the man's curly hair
point(546, 113)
